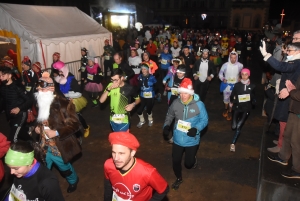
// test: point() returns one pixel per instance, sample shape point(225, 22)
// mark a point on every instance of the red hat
point(37, 64)
point(58, 65)
point(57, 54)
point(186, 86)
point(26, 61)
point(10, 62)
point(124, 138)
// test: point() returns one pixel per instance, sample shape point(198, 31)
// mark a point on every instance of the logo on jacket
point(192, 111)
point(136, 187)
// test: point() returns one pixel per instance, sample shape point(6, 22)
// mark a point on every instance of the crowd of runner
point(137, 69)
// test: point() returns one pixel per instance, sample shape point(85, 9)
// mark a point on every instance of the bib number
point(244, 98)
point(28, 88)
point(147, 94)
point(238, 51)
point(106, 57)
point(183, 126)
point(164, 62)
point(174, 91)
point(118, 118)
point(90, 76)
point(232, 79)
point(82, 69)
point(115, 197)
point(249, 48)
point(214, 49)
point(16, 194)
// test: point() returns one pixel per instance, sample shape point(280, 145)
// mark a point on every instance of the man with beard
point(203, 72)
point(130, 178)
point(57, 120)
point(16, 104)
point(69, 86)
point(189, 61)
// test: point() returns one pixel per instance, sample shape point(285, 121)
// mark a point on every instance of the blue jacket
point(150, 80)
point(195, 113)
point(165, 57)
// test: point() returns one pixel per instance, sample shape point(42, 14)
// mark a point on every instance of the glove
point(263, 49)
point(192, 132)
point(166, 132)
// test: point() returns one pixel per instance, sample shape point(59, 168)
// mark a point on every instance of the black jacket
point(13, 96)
point(127, 70)
point(242, 89)
point(211, 67)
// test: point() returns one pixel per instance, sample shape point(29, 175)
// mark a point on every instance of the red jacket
point(4, 146)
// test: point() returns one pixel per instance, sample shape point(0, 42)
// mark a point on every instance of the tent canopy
point(48, 23)
point(43, 30)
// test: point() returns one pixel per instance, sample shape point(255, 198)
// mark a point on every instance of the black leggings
point(108, 64)
point(18, 129)
point(148, 102)
point(189, 159)
point(82, 120)
point(201, 89)
point(238, 120)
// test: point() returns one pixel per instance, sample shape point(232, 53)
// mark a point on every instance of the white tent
point(42, 30)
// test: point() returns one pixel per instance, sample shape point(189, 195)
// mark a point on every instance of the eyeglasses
point(42, 84)
point(116, 80)
point(290, 50)
point(296, 38)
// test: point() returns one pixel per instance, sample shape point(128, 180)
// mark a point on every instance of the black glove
point(166, 132)
point(192, 132)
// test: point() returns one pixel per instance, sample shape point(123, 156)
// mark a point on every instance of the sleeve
point(108, 87)
point(167, 77)
point(134, 93)
point(282, 66)
point(222, 72)
point(128, 71)
point(212, 69)
point(295, 94)
point(159, 196)
point(108, 190)
point(197, 63)
point(50, 190)
point(27, 101)
point(4, 145)
point(170, 115)
point(157, 182)
point(75, 86)
point(203, 117)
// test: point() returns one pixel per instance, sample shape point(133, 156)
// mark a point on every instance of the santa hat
point(124, 138)
point(26, 61)
point(10, 62)
point(186, 86)
point(57, 54)
point(37, 64)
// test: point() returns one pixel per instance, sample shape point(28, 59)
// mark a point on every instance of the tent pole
point(43, 54)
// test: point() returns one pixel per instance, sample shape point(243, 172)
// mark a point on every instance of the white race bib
point(163, 61)
point(115, 197)
point(183, 126)
point(16, 194)
point(244, 98)
point(90, 76)
point(249, 48)
point(82, 69)
point(158, 55)
point(174, 91)
point(214, 49)
point(232, 80)
point(28, 88)
point(147, 94)
point(118, 118)
point(106, 57)
point(238, 51)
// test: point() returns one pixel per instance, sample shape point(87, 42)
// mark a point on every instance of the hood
point(237, 58)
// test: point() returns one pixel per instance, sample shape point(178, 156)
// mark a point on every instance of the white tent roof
point(50, 24)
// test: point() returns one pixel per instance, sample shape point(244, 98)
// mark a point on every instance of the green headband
point(16, 158)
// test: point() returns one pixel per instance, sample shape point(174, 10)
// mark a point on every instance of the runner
point(130, 178)
point(190, 119)
point(120, 94)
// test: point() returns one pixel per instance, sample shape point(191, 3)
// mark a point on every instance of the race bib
point(174, 91)
point(106, 57)
point(28, 88)
point(16, 195)
point(244, 98)
point(90, 76)
point(163, 61)
point(137, 70)
point(147, 94)
point(214, 49)
point(232, 79)
point(158, 55)
point(115, 197)
point(238, 51)
point(145, 46)
point(82, 69)
point(198, 74)
point(183, 126)
point(118, 118)
point(249, 48)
